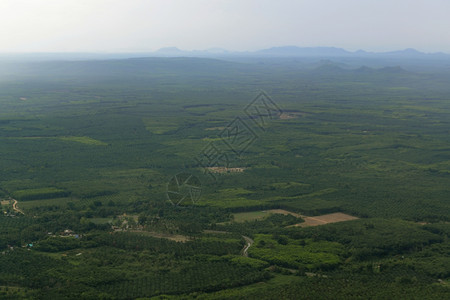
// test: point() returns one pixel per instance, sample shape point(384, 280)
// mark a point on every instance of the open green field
point(89, 149)
point(249, 216)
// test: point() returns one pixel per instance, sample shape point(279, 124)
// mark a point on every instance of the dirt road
point(15, 208)
point(249, 244)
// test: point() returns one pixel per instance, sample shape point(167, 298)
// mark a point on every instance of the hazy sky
point(146, 25)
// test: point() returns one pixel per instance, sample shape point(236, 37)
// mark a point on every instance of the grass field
point(250, 216)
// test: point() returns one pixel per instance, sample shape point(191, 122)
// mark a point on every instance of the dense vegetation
point(88, 150)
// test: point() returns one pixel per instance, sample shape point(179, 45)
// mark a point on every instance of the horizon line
point(210, 50)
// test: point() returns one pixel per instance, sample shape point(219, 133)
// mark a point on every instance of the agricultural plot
point(308, 220)
point(325, 219)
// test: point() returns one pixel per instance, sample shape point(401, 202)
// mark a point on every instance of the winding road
point(15, 208)
point(249, 243)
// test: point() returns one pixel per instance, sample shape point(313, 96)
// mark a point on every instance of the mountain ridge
point(296, 51)
point(272, 52)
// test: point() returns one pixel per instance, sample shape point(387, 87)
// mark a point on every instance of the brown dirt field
point(316, 220)
point(325, 219)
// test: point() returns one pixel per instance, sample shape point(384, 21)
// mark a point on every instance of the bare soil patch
point(325, 219)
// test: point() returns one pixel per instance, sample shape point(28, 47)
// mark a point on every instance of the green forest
point(252, 178)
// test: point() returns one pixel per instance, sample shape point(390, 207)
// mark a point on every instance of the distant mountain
point(274, 52)
point(362, 52)
point(171, 51)
point(409, 51)
point(364, 70)
point(393, 70)
point(217, 50)
point(294, 51)
point(175, 52)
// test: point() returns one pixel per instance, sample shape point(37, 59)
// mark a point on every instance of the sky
point(236, 25)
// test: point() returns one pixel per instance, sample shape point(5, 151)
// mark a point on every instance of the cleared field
point(309, 221)
point(250, 216)
point(172, 237)
point(325, 219)
point(258, 215)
